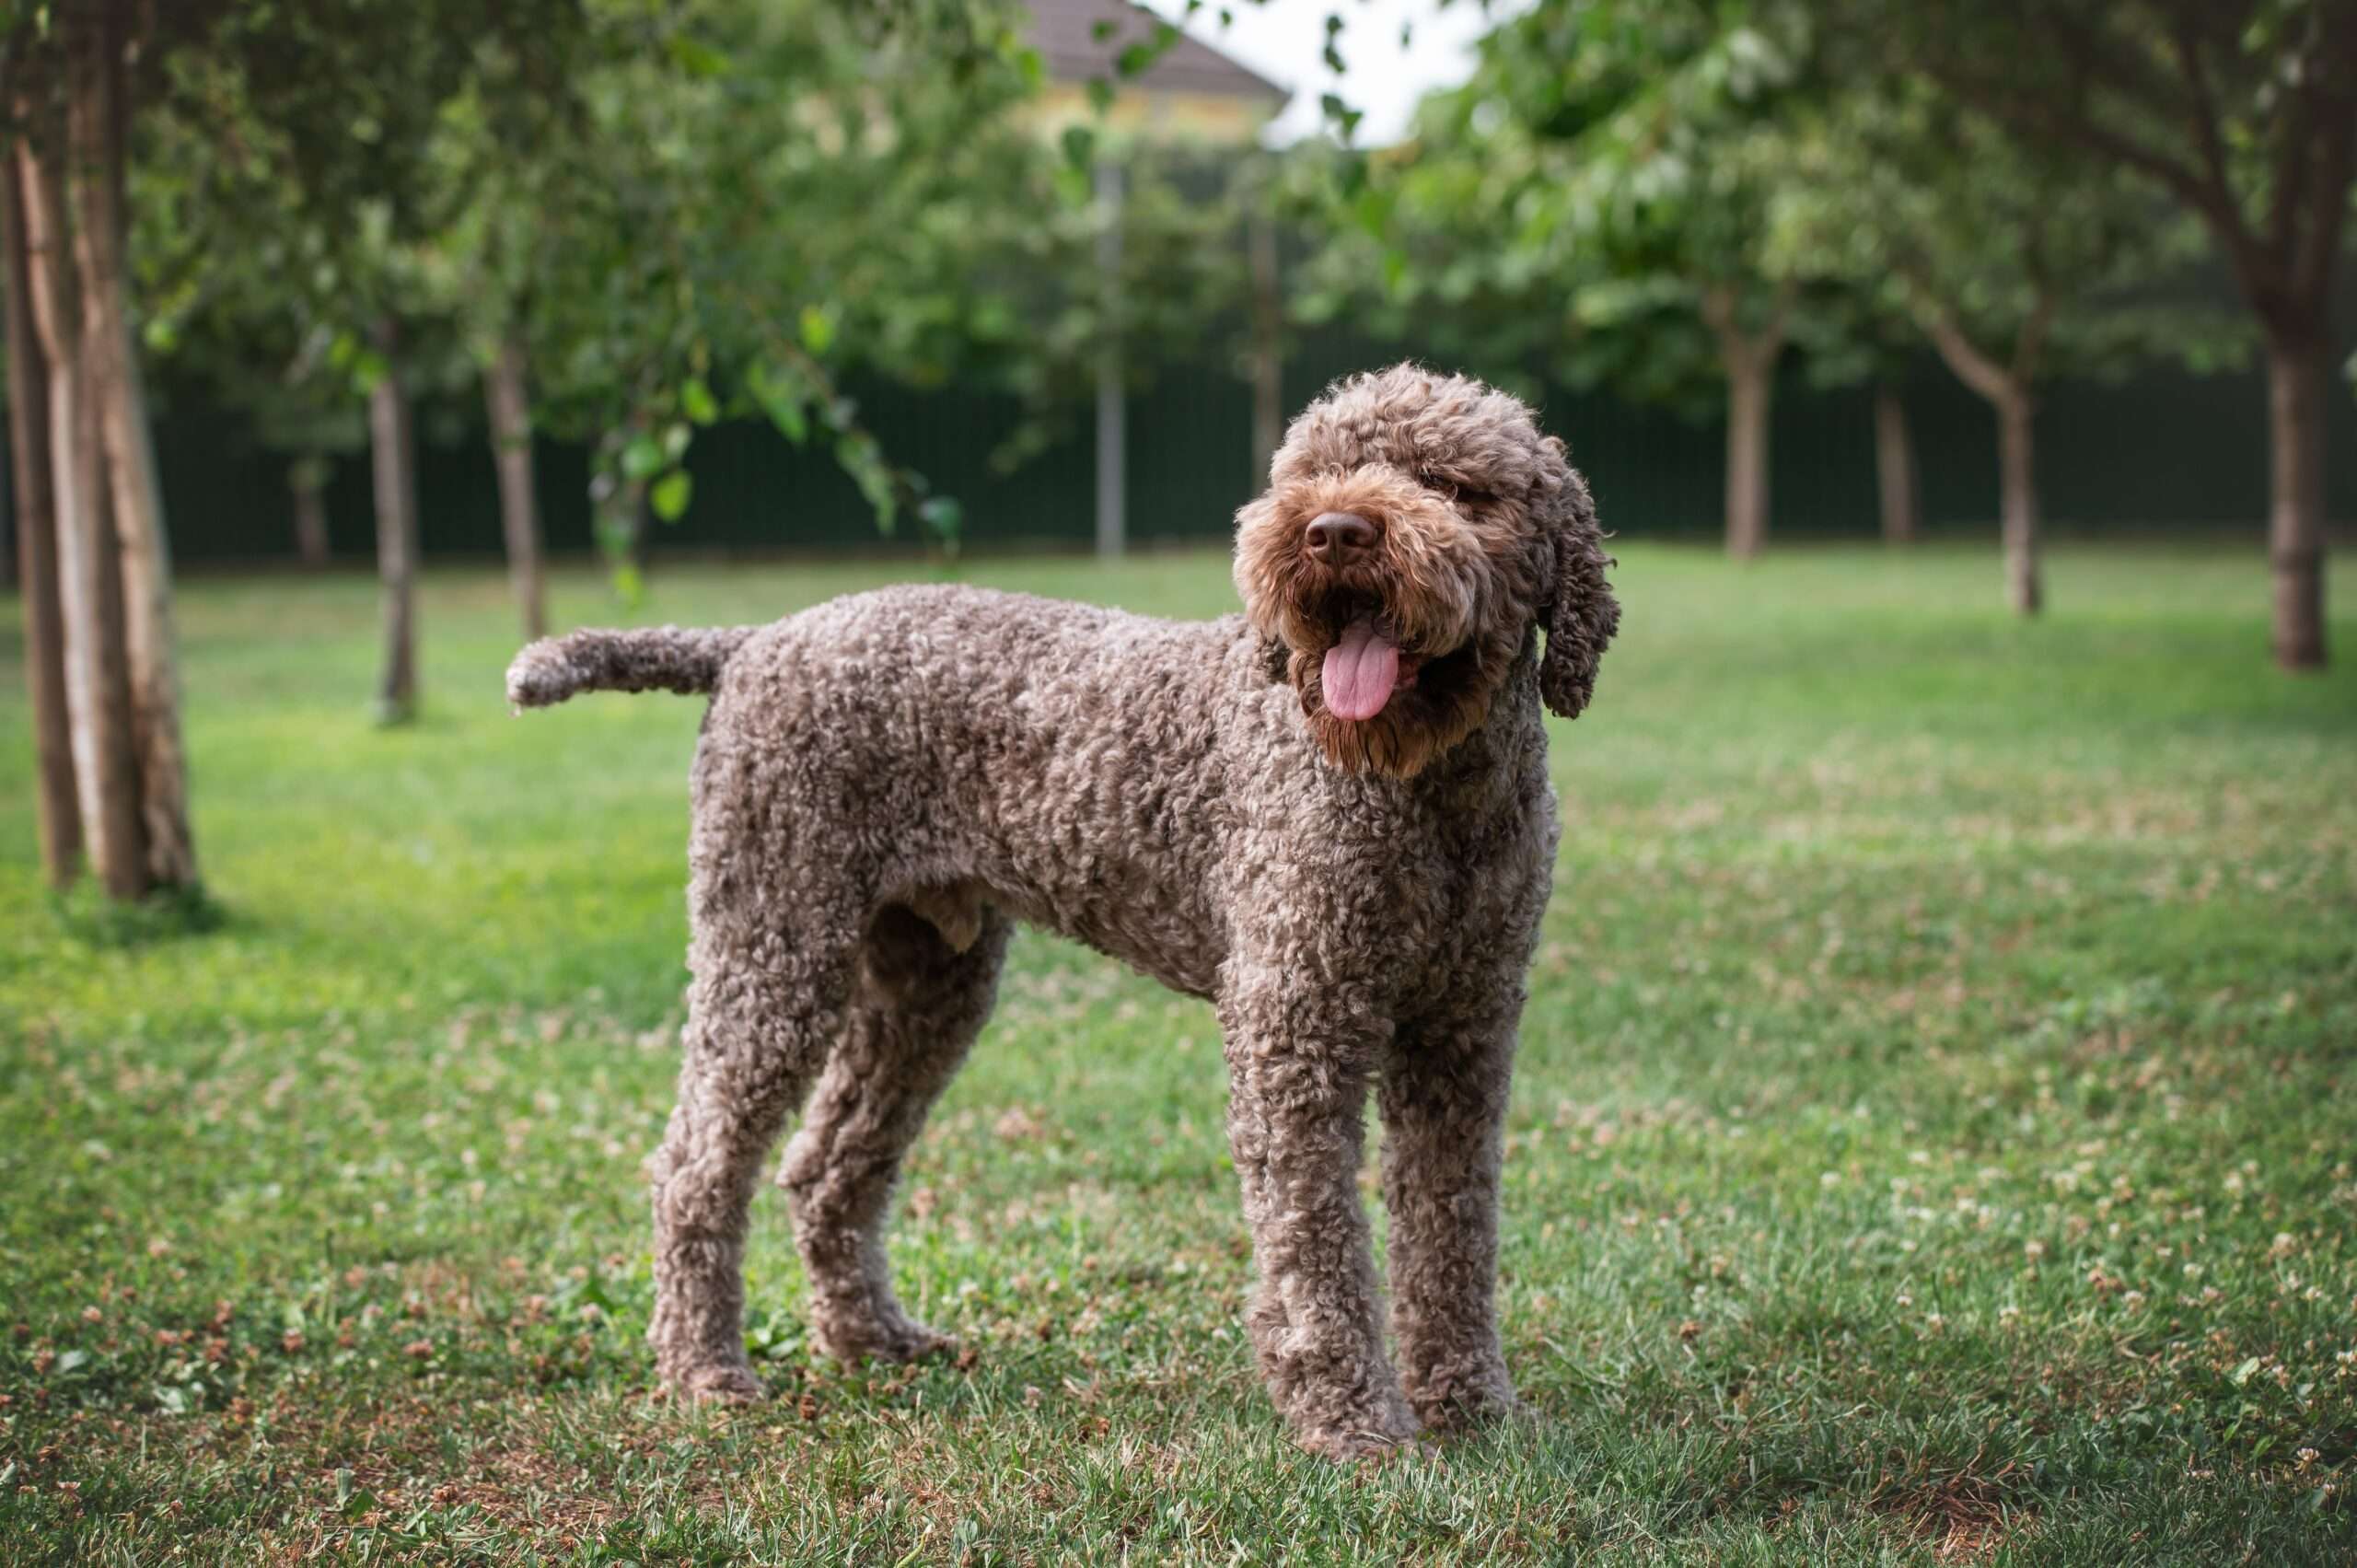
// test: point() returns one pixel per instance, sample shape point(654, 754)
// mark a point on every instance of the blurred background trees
point(1039, 271)
point(2014, 265)
point(2244, 112)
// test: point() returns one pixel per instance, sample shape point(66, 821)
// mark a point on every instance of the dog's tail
point(661, 658)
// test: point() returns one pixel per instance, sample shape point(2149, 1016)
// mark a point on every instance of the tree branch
point(2312, 262)
point(2203, 122)
point(2224, 216)
point(2030, 342)
point(1738, 348)
point(2296, 157)
point(1972, 368)
point(2332, 155)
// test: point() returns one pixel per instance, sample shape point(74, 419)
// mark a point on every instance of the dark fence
point(2163, 451)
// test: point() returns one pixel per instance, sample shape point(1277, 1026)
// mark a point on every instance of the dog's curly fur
point(887, 782)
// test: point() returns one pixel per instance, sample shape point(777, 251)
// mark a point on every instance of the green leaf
point(368, 368)
point(641, 459)
point(696, 399)
point(817, 328)
point(1340, 114)
point(696, 57)
point(944, 516)
point(2242, 1375)
point(781, 392)
point(1080, 146)
point(1100, 94)
point(670, 494)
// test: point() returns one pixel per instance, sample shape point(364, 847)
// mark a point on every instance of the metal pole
point(1268, 365)
point(1112, 404)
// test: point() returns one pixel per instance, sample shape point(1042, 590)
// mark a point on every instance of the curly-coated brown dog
point(1329, 816)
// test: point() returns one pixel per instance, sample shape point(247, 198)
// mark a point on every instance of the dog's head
point(1416, 527)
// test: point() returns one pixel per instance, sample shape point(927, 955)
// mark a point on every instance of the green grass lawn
point(1933, 1138)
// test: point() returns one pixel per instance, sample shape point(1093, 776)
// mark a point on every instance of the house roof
point(1066, 33)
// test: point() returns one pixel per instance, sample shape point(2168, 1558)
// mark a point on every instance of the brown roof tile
point(1064, 31)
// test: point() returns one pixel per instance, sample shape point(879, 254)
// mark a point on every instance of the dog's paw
point(888, 1339)
point(1463, 1399)
point(718, 1386)
point(1459, 1413)
point(1356, 1446)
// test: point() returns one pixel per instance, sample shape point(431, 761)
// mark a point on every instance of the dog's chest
point(1361, 879)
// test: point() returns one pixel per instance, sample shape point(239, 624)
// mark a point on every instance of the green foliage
point(1929, 209)
point(1610, 167)
point(678, 215)
point(1930, 1141)
point(2240, 108)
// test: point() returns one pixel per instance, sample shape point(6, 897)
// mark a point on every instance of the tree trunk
point(2007, 387)
point(306, 483)
point(94, 183)
point(1749, 361)
point(1895, 467)
point(28, 447)
point(1751, 381)
point(393, 447)
point(505, 398)
point(97, 678)
point(1267, 360)
point(2016, 464)
point(2297, 384)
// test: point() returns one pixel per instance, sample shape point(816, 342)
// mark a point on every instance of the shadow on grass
point(88, 915)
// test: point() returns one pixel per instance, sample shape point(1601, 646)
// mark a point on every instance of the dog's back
point(1058, 760)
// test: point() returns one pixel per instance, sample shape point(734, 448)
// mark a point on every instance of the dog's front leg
point(1297, 1122)
point(1444, 1102)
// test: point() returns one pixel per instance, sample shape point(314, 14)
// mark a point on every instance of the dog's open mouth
point(1365, 666)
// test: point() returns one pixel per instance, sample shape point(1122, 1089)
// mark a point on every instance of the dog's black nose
point(1336, 537)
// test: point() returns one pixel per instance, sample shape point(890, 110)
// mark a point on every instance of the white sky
point(1284, 41)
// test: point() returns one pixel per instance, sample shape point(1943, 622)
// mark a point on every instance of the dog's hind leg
point(772, 975)
point(920, 999)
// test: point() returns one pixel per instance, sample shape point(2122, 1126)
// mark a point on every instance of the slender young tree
point(96, 115)
point(1749, 351)
point(1897, 493)
point(97, 674)
point(392, 445)
point(509, 402)
point(36, 517)
point(306, 487)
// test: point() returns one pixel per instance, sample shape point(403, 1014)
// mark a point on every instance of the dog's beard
point(1378, 701)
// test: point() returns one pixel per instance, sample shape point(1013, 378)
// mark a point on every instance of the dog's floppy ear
point(1581, 615)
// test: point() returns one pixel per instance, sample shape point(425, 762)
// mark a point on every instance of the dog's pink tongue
point(1361, 670)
